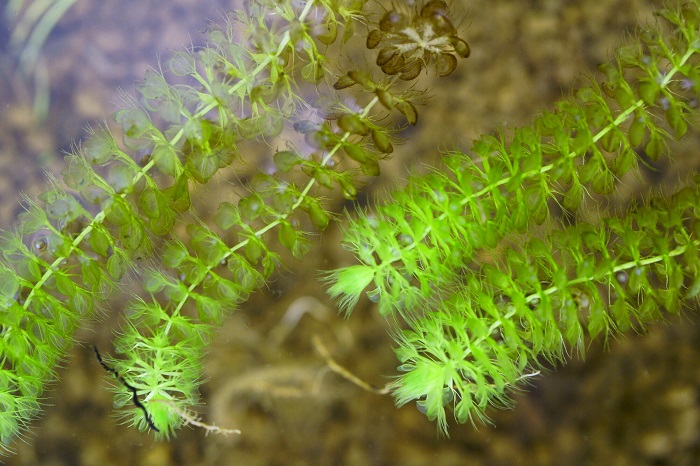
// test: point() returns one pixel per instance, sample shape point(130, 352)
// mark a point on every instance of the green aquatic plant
point(123, 212)
point(467, 330)
point(484, 284)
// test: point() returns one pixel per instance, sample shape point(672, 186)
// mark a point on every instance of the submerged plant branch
point(120, 205)
point(471, 330)
point(467, 331)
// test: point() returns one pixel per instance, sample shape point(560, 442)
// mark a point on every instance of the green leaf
point(116, 266)
point(370, 167)
point(207, 247)
point(254, 249)
point(182, 64)
point(64, 210)
point(362, 78)
point(154, 281)
point(285, 160)
point(163, 224)
point(353, 124)
point(227, 216)
point(324, 176)
point(313, 72)
point(166, 159)
point(604, 182)
point(99, 241)
point(134, 122)
point(573, 197)
point(386, 98)
point(99, 148)
point(349, 283)
point(624, 162)
point(649, 311)
point(152, 202)
point(202, 165)
point(244, 274)
point(611, 141)
point(675, 118)
point(693, 289)
point(637, 131)
point(131, 235)
point(348, 188)
point(9, 284)
point(251, 206)
point(179, 194)
point(357, 153)
point(92, 275)
point(621, 313)
point(121, 177)
point(656, 147)
point(209, 310)
point(174, 254)
point(153, 86)
point(382, 142)
point(649, 91)
point(227, 290)
point(287, 236)
point(319, 217)
point(590, 169)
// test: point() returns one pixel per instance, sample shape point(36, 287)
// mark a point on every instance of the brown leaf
point(445, 64)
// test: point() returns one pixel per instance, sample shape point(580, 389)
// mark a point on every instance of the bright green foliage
point(473, 330)
point(583, 280)
point(119, 212)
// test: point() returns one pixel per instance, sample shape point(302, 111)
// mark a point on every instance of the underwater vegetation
point(467, 330)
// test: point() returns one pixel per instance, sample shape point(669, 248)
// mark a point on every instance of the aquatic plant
point(479, 294)
point(122, 213)
point(467, 330)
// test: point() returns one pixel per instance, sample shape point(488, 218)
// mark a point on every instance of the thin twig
point(343, 372)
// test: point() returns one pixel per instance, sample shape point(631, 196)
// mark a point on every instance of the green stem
point(626, 266)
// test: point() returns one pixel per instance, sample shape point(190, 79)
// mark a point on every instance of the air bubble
point(374, 295)
point(622, 277)
point(41, 244)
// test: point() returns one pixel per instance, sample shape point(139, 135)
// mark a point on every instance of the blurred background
point(64, 64)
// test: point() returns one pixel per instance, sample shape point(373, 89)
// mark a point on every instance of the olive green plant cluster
point(484, 283)
point(269, 78)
